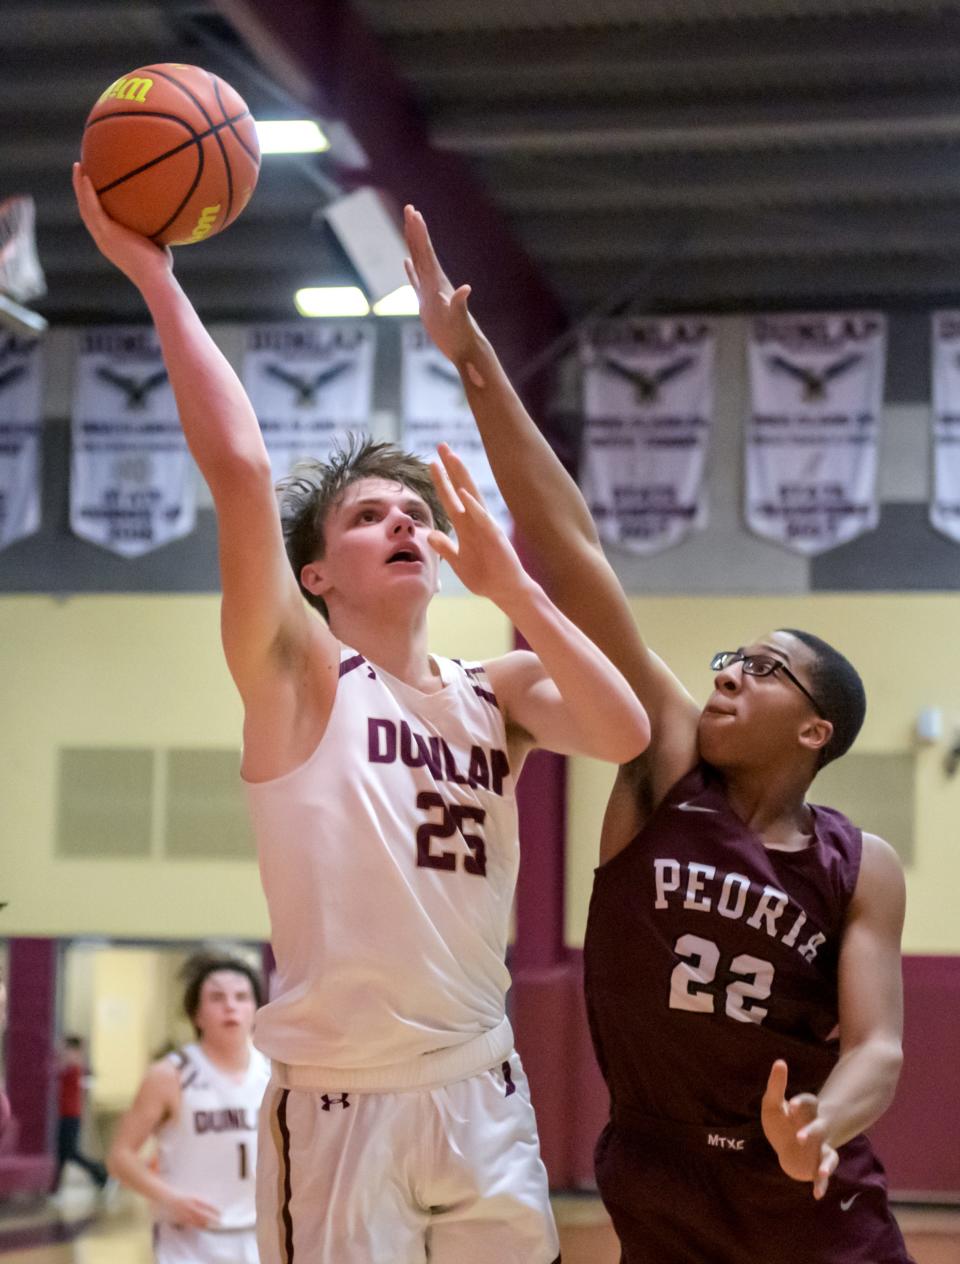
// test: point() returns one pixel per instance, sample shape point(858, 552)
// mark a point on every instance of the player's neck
point(772, 803)
point(229, 1052)
point(397, 643)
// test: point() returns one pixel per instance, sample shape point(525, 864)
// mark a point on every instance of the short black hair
point(839, 691)
point(73, 1042)
point(313, 488)
point(197, 970)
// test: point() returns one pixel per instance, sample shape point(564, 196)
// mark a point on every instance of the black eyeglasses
point(762, 665)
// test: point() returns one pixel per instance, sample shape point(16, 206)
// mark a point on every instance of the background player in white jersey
point(201, 1103)
point(381, 782)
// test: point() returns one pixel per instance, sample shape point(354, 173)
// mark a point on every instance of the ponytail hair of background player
point(197, 970)
point(313, 488)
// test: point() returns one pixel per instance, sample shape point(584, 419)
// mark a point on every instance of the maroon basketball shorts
point(683, 1194)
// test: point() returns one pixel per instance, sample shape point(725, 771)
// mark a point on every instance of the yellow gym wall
point(134, 671)
point(904, 646)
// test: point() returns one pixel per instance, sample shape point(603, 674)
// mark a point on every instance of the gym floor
point(76, 1228)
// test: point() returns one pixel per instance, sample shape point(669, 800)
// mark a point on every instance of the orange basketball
point(173, 153)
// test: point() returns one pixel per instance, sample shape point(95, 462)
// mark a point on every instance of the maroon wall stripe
point(32, 988)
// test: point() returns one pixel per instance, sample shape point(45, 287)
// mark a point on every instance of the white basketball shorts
point(173, 1244)
point(448, 1175)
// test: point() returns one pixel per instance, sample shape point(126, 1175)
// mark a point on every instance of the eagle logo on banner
point(133, 485)
point(21, 419)
point(648, 409)
point(309, 384)
point(816, 383)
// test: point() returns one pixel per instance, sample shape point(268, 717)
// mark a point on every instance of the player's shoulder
point(881, 878)
point(162, 1079)
point(879, 857)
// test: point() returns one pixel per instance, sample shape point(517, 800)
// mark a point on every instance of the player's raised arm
point(806, 1131)
point(566, 694)
point(262, 607)
point(545, 502)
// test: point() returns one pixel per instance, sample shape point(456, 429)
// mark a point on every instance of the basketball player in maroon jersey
point(742, 956)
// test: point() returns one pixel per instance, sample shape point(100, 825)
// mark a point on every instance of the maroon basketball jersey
point(708, 955)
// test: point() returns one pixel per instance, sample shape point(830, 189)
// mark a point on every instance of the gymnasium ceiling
point(647, 155)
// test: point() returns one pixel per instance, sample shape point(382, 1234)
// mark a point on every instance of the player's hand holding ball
point(136, 256)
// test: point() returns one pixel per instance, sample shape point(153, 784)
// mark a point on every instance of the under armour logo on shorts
point(339, 1099)
point(507, 1079)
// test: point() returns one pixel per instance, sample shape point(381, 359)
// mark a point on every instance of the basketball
point(172, 152)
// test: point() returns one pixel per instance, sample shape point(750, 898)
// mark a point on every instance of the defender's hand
point(797, 1133)
point(482, 556)
point(136, 256)
point(443, 310)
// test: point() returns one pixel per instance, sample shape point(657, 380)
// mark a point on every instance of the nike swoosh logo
point(847, 1203)
point(692, 807)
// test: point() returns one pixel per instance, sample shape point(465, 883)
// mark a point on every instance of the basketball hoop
point(21, 277)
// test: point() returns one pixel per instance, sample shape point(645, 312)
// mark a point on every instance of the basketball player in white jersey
point(381, 782)
point(201, 1104)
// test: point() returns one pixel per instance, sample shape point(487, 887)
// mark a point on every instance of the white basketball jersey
point(389, 861)
point(210, 1149)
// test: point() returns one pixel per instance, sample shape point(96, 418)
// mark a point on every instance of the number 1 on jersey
point(243, 1160)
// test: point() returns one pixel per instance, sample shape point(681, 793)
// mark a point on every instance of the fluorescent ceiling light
point(290, 136)
point(401, 302)
point(331, 300)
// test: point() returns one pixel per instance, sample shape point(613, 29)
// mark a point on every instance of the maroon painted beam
point(32, 987)
point(353, 80)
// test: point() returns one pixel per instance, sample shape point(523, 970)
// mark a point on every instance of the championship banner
point(816, 385)
point(648, 409)
point(21, 416)
point(945, 343)
point(309, 383)
point(435, 410)
point(133, 485)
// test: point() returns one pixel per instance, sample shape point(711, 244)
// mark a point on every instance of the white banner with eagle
point(816, 383)
point(435, 410)
point(648, 390)
point(21, 420)
point(945, 345)
point(133, 484)
point(309, 384)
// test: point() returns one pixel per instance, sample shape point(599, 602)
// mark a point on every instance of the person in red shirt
point(71, 1075)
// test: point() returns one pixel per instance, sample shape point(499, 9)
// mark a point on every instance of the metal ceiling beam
point(328, 45)
point(508, 15)
point(574, 136)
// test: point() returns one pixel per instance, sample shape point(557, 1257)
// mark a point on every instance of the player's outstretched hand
point(797, 1133)
point(183, 1210)
point(136, 256)
point(481, 556)
point(443, 310)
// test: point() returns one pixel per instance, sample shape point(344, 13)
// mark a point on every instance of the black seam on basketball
point(215, 82)
point(196, 139)
point(255, 157)
point(186, 198)
point(155, 70)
